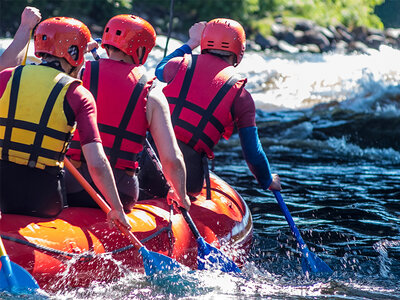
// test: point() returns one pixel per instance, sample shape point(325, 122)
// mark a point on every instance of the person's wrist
point(192, 44)
point(26, 27)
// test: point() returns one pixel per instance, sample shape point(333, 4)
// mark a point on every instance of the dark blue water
point(344, 200)
point(330, 127)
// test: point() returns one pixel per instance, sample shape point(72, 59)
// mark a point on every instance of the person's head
point(224, 37)
point(132, 35)
point(63, 38)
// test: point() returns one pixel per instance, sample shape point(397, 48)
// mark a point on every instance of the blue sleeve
point(255, 156)
point(181, 51)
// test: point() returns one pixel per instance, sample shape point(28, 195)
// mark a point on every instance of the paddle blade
point(311, 263)
point(157, 263)
point(15, 279)
point(211, 256)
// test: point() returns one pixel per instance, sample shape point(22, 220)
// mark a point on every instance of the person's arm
point(15, 53)
point(194, 41)
point(256, 159)
point(102, 175)
point(181, 51)
point(244, 111)
point(171, 157)
point(81, 107)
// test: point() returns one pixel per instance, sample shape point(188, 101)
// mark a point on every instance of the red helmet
point(224, 34)
point(128, 33)
point(62, 37)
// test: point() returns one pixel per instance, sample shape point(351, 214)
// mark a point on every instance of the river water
point(329, 124)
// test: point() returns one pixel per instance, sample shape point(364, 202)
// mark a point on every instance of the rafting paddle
point(14, 278)
point(153, 262)
point(310, 263)
point(208, 253)
point(205, 252)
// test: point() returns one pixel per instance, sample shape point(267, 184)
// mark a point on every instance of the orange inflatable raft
point(78, 246)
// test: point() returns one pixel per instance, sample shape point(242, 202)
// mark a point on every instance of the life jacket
point(200, 100)
point(120, 91)
point(34, 130)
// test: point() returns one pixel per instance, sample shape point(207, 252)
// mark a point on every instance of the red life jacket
point(120, 90)
point(200, 100)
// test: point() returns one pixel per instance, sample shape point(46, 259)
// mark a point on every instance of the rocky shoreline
point(307, 36)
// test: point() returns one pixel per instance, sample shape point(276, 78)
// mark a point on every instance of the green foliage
point(347, 12)
point(88, 11)
point(255, 15)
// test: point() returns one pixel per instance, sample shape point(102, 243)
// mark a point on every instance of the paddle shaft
point(190, 222)
point(6, 265)
point(289, 219)
point(100, 201)
point(185, 213)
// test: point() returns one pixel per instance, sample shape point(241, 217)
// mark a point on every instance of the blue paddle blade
point(210, 256)
point(15, 279)
point(311, 263)
point(157, 263)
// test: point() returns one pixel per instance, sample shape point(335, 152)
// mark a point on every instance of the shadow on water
point(343, 196)
point(339, 163)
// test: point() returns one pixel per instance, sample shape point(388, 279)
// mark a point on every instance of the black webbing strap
point(191, 66)
point(44, 119)
point(11, 112)
point(198, 133)
point(206, 176)
point(122, 133)
point(94, 77)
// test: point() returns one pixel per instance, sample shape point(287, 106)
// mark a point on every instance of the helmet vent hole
point(107, 29)
point(118, 32)
point(44, 37)
point(225, 45)
point(210, 43)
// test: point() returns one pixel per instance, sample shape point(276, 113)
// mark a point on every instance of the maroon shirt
point(82, 104)
point(244, 109)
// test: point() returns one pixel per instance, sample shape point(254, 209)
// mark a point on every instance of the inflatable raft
point(78, 246)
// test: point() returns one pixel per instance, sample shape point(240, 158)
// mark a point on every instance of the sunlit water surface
point(329, 125)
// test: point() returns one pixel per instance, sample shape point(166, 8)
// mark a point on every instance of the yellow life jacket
point(34, 130)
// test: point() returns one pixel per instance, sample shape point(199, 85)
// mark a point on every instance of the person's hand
point(195, 34)
point(172, 198)
point(276, 183)
point(30, 17)
point(114, 216)
point(92, 45)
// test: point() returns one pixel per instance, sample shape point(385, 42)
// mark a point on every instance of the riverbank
point(306, 36)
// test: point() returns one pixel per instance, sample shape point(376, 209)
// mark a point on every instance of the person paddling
point(207, 98)
point(39, 107)
point(15, 53)
point(128, 106)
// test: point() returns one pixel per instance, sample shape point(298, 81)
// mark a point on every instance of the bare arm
point(171, 157)
point(15, 53)
point(101, 173)
point(195, 34)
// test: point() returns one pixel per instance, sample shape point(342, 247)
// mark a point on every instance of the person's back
point(40, 106)
point(207, 98)
point(122, 90)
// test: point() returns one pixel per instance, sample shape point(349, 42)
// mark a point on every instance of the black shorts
point(151, 183)
point(31, 191)
point(127, 185)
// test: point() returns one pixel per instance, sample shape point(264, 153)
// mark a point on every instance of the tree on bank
point(255, 15)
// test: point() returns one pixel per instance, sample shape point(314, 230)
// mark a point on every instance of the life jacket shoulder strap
point(120, 132)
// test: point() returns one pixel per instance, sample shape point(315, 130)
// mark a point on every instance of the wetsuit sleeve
point(255, 156)
point(83, 107)
point(180, 52)
point(244, 111)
